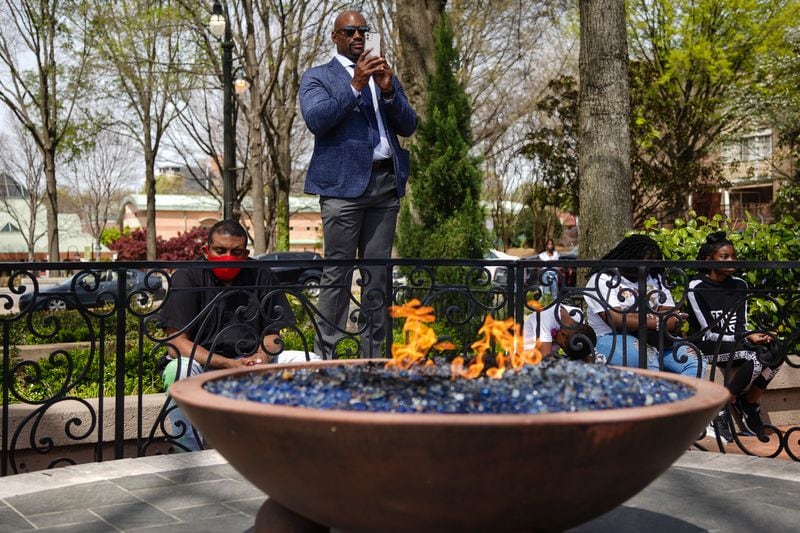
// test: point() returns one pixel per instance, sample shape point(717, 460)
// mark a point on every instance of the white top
point(384, 148)
point(543, 325)
point(544, 256)
point(622, 298)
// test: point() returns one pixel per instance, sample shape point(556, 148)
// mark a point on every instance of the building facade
point(178, 213)
point(755, 167)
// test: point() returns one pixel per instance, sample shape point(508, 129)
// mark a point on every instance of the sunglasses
point(349, 31)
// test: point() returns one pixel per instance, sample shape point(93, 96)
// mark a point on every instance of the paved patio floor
point(200, 492)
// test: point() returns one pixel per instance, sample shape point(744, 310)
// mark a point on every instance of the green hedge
point(79, 374)
point(81, 377)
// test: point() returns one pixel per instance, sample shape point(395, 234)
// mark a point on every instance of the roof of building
point(14, 217)
point(10, 187)
point(174, 202)
point(198, 202)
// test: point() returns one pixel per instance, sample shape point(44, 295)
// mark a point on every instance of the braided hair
point(635, 247)
point(714, 241)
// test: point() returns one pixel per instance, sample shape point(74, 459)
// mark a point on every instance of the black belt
point(382, 164)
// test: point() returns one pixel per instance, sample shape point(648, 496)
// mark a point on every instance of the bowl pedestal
point(273, 517)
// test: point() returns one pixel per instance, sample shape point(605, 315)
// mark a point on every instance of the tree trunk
point(270, 215)
point(51, 204)
point(48, 111)
point(256, 155)
point(150, 191)
point(604, 145)
point(416, 22)
point(255, 165)
point(283, 174)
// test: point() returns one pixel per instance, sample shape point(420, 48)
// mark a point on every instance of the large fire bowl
point(370, 472)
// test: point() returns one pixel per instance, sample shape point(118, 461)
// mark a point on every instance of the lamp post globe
point(216, 24)
point(219, 27)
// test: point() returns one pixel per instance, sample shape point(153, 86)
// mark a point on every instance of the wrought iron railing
point(102, 337)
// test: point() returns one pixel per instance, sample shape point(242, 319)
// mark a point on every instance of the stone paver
point(200, 492)
point(708, 492)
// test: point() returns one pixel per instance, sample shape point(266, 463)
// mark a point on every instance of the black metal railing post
point(388, 286)
point(517, 288)
point(6, 385)
point(119, 390)
point(643, 305)
point(101, 335)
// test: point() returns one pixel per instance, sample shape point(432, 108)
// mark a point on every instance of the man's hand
point(255, 359)
point(371, 66)
point(383, 78)
point(271, 344)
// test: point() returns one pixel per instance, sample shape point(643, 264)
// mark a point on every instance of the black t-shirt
point(227, 319)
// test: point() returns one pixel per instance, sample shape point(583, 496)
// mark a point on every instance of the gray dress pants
point(360, 227)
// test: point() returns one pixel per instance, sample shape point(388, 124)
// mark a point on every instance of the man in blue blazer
point(356, 108)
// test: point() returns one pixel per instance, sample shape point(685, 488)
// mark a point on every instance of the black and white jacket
point(718, 312)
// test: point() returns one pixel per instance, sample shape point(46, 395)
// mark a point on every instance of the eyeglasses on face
point(349, 31)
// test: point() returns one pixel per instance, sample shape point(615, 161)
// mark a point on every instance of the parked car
point(499, 273)
point(89, 290)
point(294, 274)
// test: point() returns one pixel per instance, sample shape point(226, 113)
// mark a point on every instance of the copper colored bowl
point(369, 472)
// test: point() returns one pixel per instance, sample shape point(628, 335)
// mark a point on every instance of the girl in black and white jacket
point(718, 304)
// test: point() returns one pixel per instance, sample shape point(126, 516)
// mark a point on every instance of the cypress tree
point(442, 218)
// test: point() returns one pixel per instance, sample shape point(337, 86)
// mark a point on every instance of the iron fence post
point(119, 374)
point(642, 310)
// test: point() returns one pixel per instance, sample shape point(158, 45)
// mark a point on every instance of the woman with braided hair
point(613, 311)
point(718, 305)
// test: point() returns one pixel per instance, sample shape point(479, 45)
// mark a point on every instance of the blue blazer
point(342, 160)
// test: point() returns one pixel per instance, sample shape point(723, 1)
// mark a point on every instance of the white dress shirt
point(384, 148)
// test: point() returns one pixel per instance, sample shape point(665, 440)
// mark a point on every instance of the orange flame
point(413, 311)
point(506, 335)
point(419, 337)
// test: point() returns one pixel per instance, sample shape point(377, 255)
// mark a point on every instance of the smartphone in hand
point(373, 42)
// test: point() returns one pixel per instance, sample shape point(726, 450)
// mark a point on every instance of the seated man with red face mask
point(221, 318)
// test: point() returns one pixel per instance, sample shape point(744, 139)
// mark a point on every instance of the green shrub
point(753, 241)
point(52, 327)
point(79, 373)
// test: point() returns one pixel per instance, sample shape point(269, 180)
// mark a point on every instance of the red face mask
point(225, 274)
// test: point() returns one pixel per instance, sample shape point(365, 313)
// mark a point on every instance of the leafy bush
point(184, 246)
point(294, 339)
point(111, 234)
point(50, 328)
point(132, 245)
point(78, 374)
point(753, 241)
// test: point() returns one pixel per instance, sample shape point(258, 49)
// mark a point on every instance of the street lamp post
point(218, 25)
